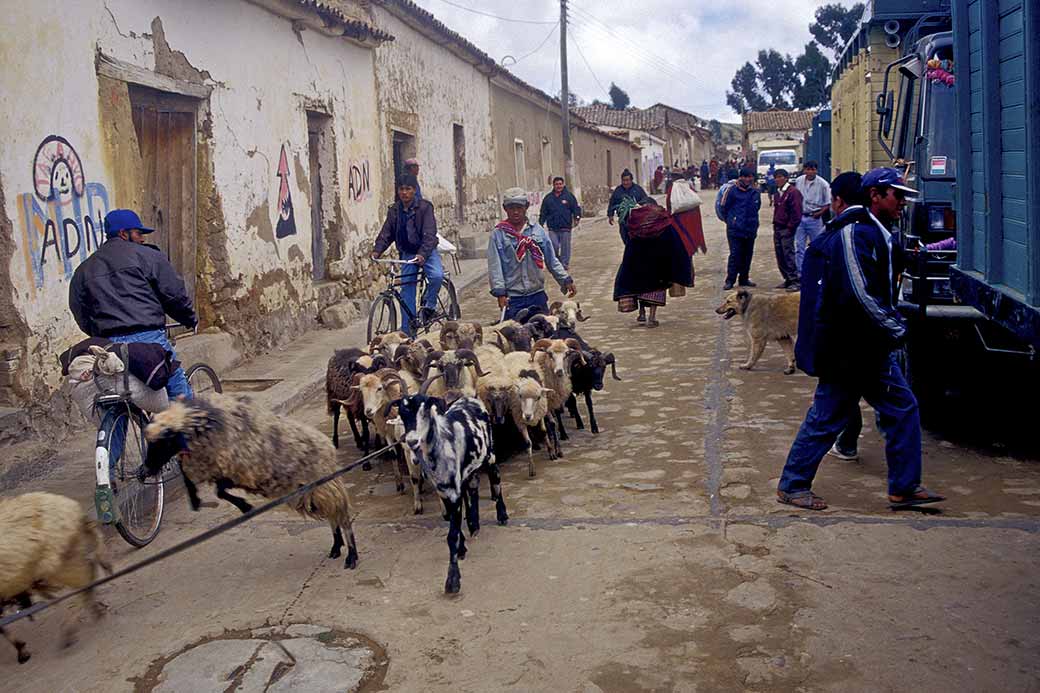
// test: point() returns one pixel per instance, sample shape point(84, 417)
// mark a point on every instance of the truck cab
point(779, 158)
point(918, 129)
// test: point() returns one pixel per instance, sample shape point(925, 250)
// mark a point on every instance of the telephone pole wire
point(565, 100)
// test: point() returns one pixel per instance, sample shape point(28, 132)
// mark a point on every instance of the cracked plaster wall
point(264, 76)
point(425, 90)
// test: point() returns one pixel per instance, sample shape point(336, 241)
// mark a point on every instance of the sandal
point(920, 496)
point(806, 500)
point(641, 318)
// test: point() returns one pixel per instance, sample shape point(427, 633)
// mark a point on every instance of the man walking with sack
point(787, 215)
point(558, 215)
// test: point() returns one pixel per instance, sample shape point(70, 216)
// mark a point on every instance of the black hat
point(409, 180)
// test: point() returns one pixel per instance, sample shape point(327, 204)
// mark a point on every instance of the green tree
point(618, 98)
point(813, 70)
point(835, 25)
point(776, 75)
point(746, 95)
point(716, 131)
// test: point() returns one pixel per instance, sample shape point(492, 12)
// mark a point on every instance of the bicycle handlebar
point(397, 262)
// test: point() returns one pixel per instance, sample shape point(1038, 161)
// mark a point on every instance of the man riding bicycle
point(125, 290)
point(410, 225)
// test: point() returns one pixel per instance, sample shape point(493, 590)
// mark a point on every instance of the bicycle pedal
point(105, 503)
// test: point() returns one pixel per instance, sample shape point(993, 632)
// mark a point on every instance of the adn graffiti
point(359, 186)
point(62, 218)
point(286, 225)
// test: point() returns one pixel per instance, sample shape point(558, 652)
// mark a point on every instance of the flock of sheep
point(446, 403)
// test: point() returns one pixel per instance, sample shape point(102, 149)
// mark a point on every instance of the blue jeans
point(177, 385)
point(537, 303)
point(890, 396)
point(808, 230)
point(409, 280)
point(561, 242)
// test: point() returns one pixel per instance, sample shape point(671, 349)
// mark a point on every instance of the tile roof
point(629, 118)
point(332, 12)
point(778, 120)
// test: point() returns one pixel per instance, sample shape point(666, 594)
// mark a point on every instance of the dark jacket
point(126, 287)
point(740, 209)
point(419, 233)
point(787, 212)
point(848, 324)
point(558, 212)
point(635, 192)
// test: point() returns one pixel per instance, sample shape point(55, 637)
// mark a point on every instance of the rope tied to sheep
point(194, 541)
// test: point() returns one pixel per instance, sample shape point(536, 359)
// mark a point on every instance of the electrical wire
point(547, 37)
point(586, 61)
point(495, 16)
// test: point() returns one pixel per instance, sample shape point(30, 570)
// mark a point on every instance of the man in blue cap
point(848, 333)
point(125, 290)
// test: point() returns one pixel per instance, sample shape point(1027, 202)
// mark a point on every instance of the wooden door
point(460, 172)
point(165, 127)
point(317, 225)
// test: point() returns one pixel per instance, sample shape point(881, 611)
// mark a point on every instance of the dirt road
point(653, 557)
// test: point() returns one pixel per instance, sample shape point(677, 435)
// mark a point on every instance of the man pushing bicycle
point(411, 225)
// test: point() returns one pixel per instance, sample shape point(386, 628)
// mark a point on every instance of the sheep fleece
point(260, 452)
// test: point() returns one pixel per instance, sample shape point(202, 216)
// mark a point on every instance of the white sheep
point(529, 405)
point(47, 542)
point(235, 443)
point(556, 358)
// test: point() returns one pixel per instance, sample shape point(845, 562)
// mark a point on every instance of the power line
point(544, 41)
point(585, 60)
point(495, 16)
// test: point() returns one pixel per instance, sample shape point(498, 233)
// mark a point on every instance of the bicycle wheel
point(448, 301)
point(382, 316)
point(138, 506)
point(203, 380)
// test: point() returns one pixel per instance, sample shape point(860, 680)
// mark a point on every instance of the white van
point(779, 158)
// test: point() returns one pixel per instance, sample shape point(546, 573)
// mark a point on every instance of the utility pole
point(565, 101)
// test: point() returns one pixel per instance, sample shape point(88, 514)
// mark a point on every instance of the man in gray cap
point(518, 253)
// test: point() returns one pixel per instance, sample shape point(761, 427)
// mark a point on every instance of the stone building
point(245, 167)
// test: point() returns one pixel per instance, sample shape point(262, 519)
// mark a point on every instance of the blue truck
point(960, 113)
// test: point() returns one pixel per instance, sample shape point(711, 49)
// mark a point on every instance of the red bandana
point(523, 244)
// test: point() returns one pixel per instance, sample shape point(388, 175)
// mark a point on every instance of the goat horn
point(555, 306)
point(581, 316)
point(471, 356)
point(542, 344)
point(613, 365)
point(429, 381)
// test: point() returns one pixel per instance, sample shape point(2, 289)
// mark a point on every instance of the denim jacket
point(511, 277)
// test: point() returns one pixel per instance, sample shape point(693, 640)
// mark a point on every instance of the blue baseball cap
point(888, 177)
point(123, 220)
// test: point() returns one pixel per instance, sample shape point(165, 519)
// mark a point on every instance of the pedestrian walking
point(558, 215)
point(627, 190)
point(411, 167)
point(655, 259)
point(816, 200)
point(771, 182)
point(740, 205)
point(411, 226)
point(848, 332)
point(705, 181)
point(518, 254)
point(787, 215)
point(713, 171)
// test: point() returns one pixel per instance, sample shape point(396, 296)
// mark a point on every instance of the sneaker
point(727, 286)
point(748, 283)
point(795, 287)
point(842, 455)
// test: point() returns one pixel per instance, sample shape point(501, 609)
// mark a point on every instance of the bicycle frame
point(395, 282)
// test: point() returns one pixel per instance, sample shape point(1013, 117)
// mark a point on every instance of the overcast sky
point(679, 52)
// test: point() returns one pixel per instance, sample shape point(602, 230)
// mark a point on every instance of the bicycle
point(134, 506)
point(382, 316)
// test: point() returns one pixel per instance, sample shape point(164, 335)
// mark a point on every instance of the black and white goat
point(586, 378)
point(452, 444)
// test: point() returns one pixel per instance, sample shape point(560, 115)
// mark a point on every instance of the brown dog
point(765, 317)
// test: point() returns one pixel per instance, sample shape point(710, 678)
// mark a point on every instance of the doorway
point(404, 148)
point(459, 137)
point(321, 154)
point(610, 167)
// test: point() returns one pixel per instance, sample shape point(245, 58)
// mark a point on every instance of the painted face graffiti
point(57, 171)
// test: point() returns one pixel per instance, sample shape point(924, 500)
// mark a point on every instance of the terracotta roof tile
point(353, 27)
point(778, 120)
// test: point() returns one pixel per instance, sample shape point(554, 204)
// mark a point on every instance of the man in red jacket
point(787, 214)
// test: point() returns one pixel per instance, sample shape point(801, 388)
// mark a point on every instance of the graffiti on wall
point(359, 182)
point(286, 225)
point(62, 218)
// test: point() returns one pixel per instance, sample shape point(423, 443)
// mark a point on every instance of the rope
point(194, 541)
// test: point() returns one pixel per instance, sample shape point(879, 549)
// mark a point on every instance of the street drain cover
point(300, 657)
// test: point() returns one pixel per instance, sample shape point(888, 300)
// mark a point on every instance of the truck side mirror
point(884, 109)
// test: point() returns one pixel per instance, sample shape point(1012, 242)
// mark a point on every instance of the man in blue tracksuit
point(848, 331)
point(559, 214)
point(740, 207)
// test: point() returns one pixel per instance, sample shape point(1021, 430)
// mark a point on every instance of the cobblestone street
point(652, 557)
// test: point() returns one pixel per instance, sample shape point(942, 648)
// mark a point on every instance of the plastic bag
point(682, 197)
